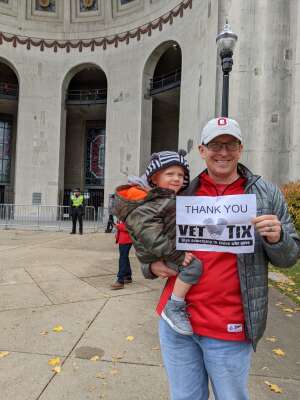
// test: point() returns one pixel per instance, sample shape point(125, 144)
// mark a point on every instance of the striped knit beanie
point(165, 159)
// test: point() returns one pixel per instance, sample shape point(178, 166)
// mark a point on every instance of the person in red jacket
point(124, 241)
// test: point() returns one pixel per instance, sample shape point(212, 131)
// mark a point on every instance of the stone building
point(89, 88)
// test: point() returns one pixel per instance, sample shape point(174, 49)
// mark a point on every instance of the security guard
point(76, 209)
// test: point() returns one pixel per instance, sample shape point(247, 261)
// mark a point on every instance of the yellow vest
point(77, 201)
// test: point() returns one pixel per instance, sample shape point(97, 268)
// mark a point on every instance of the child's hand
point(188, 258)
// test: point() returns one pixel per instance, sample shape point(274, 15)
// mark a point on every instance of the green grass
point(291, 290)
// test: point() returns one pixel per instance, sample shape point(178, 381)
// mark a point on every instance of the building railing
point(165, 82)
point(56, 218)
point(9, 91)
point(86, 96)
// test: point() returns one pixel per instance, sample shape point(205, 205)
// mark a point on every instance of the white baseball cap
point(220, 126)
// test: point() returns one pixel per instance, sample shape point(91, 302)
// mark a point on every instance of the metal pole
point(6, 209)
point(38, 221)
point(225, 95)
point(60, 215)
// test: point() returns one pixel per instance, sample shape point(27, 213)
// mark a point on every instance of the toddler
point(149, 212)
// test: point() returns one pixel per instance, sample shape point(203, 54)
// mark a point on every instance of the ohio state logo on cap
point(222, 121)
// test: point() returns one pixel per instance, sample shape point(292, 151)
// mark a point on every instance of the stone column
point(123, 121)
point(260, 83)
point(295, 125)
point(198, 82)
point(38, 140)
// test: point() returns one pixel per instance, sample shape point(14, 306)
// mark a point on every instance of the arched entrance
point(165, 93)
point(85, 103)
point(9, 94)
point(161, 104)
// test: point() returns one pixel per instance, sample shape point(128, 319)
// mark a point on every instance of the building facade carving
point(88, 5)
point(45, 10)
point(89, 10)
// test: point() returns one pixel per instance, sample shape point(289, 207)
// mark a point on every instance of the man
point(76, 210)
point(228, 307)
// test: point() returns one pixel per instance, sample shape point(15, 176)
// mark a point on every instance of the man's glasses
point(218, 146)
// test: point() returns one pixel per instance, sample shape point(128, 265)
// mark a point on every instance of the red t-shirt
point(215, 303)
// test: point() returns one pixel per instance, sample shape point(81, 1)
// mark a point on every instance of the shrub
point(291, 193)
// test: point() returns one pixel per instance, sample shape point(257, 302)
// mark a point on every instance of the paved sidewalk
point(50, 279)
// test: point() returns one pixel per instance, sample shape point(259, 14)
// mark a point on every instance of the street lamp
point(226, 41)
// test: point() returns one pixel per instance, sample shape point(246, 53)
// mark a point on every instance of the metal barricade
point(43, 217)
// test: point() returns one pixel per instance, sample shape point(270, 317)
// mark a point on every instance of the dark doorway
point(85, 134)
point(9, 93)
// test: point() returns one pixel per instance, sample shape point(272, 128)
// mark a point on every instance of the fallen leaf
point(58, 328)
point(273, 387)
point(278, 352)
point(95, 358)
point(54, 361)
point(130, 338)
point(43, 333)
point(4, 354)
point(271, 339)
point(289, 310)
point(57, 369)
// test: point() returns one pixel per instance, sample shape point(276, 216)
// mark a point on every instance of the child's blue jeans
point(191, 360)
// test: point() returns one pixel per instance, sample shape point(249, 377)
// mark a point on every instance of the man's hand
point(268, 226)
point(160, 269)
point(188, 258)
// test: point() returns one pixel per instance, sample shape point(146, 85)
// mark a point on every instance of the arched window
point(161, 101)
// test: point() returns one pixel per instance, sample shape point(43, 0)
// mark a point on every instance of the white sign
point(221, 223)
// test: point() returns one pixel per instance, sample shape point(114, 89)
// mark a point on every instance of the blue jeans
point(124, 263)
point(191, 360)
